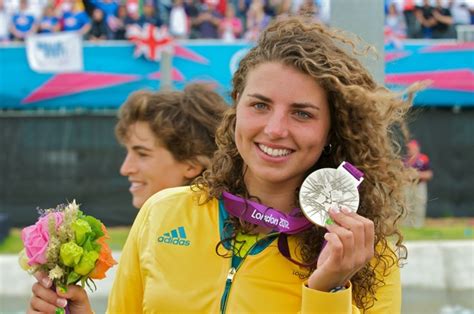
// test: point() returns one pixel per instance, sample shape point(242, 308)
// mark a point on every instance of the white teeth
point(274, 152)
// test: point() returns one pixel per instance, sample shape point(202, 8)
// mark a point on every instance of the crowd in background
point(427, 18)
point(213, 19)
point(116, 19)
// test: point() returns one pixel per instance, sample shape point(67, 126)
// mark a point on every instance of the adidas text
point(174, 241)
point(175, 237)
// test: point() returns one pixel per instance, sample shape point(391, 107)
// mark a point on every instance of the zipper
point(228, 284)
point(236, 262)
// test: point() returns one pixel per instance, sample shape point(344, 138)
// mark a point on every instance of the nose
point(276, 125)
point(128, 165)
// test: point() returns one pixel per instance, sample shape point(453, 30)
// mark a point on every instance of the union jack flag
point(150, 41)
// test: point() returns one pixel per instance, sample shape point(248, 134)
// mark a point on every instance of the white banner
point(55, 52)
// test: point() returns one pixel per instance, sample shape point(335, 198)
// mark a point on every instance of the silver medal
point(326, 188)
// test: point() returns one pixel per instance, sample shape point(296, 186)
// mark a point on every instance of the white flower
point(56, 273)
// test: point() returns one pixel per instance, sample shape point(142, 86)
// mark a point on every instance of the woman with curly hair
point(169, 137)
point(301, 103)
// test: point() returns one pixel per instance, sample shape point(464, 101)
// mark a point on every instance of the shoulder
point(181, 193)
point(173, 201)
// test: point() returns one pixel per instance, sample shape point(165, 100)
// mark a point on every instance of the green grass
point(442, 229)
point(13, 244)
point(435, 229)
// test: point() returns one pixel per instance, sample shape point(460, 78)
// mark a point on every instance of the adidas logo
point(175, 237)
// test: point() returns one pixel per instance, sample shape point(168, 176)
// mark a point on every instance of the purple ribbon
point(356, 173)
point(264, 216)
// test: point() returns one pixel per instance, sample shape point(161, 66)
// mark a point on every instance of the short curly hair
point(184, 122)
point(367, 128)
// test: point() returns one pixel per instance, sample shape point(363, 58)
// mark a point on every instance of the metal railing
point(465, 33)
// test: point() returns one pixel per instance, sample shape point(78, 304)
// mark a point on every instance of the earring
point(327, 149)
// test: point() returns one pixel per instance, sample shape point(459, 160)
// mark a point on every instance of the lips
point(135, 186)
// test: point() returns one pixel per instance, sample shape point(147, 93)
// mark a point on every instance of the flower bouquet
point(67, 245)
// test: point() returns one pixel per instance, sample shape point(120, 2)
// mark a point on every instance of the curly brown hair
point(184, 122)
point(366, 121)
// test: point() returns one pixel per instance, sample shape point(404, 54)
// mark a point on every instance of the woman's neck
point(281, 197)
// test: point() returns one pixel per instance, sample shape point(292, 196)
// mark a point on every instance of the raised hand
point(349, 247)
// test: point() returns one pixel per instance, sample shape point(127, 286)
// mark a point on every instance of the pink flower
point(36, 238)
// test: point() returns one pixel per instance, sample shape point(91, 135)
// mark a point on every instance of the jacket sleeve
point(126, 295)
point(327, 302)
point(387, 297)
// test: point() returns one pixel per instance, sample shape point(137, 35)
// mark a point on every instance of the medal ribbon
point(264, 216)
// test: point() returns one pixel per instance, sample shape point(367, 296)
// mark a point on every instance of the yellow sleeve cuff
point(326, 302)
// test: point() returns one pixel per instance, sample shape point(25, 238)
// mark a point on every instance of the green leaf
point(96, 226)
point(72, 278)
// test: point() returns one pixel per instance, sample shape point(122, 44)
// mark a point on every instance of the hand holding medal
point(331, 195)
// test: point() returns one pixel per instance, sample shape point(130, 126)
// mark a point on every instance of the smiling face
point(282, 125)
point(149, 166)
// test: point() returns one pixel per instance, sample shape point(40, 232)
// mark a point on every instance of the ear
point(192, 169)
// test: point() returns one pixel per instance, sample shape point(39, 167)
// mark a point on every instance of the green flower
point(87, 263)
point(81, 229)
point(70, 253)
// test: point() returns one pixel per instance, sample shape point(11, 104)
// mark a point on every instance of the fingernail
point(46, 282)
point(329, 221)
point(334, 209)
point(345, 210)
point(61, 302)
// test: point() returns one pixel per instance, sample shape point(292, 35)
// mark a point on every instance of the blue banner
point(112, 72)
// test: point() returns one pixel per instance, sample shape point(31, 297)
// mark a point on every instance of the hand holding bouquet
point(68, 246)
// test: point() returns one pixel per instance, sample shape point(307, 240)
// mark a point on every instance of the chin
point(137, 204)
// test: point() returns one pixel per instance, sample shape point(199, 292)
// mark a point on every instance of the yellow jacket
point(169, 265)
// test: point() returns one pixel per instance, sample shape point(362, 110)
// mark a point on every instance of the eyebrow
point(298, 105)
point(140, 147)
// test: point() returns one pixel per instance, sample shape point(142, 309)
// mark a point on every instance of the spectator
point(109, 9)
point(444, 22)
point(74, 18)
point(281, 7)
point(150, 15)
point(411, 21)
point(4, 23)
point(36, 8)
point(417, 196)
point(424, 15)
point(178, 20)
point(471, 11)
point(395, 28)
point(98, 30)
point(257, 20)
point(49, 22)
point(23, 23)
point(191, 8)
point(207, 22)
point(309, 9)
point(230, 27)
point(133, 21)
point(219, 5)
point(119, 32)
point(460, 12)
